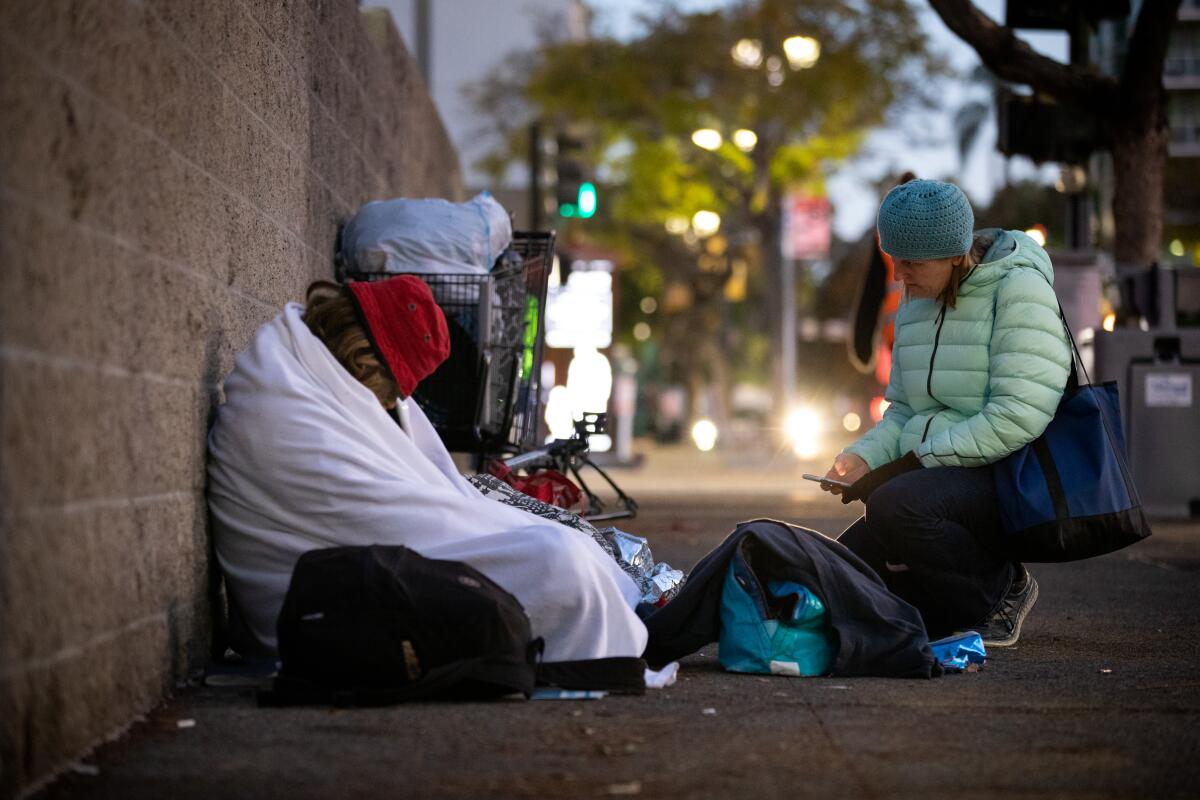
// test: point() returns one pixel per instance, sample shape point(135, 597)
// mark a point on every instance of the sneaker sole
point(1011, 639)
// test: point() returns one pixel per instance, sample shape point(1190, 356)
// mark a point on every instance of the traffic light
point(575, 194)
point(583, 205)
point(1045, 130)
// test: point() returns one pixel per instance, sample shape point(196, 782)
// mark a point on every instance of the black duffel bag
point(376, 625)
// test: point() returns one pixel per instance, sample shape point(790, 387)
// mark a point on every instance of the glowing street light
point(706, 223)
point(677, 225)
point(745, 139)
point(707, 138)
point(1038, 234)
point(747, 53)
point(802, 51)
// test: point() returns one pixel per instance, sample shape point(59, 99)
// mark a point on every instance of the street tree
point(1130, 107)
point(725, 112)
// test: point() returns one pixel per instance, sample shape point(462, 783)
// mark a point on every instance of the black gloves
point(861, 489)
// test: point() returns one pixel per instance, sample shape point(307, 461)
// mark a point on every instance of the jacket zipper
point(937, 337)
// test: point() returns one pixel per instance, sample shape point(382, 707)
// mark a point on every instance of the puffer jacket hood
point(973, 383)
point(1009, 250)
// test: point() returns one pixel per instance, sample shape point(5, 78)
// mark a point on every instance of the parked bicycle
point(568, 456)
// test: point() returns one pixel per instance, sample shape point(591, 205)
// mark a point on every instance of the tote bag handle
point(1076, 357)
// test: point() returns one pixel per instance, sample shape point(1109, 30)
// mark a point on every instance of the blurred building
point(1181, 77)
point(458, 44)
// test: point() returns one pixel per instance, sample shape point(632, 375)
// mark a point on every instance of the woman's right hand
point(846, 467)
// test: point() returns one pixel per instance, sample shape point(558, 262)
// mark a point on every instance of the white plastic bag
point(430, 236)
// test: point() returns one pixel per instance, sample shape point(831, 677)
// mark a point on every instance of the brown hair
point(331, 316)
point(962, 268)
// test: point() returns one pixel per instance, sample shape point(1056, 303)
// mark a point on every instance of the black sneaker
point(1003, 627)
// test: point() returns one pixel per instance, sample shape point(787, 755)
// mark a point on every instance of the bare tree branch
point(1013, 60)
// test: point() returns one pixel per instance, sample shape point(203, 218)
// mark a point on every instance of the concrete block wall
point(171, 173)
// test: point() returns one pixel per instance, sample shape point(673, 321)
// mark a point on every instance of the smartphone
point(823, 479)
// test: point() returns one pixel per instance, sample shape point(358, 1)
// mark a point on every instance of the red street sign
point(806, 227)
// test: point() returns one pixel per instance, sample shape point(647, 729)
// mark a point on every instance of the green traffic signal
point(584, 206)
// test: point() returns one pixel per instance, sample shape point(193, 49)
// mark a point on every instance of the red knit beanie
point(406, 326)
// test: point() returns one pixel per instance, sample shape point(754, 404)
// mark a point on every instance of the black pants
point(933, 535)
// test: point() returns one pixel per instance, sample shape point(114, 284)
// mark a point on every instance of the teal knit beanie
point(923, 220)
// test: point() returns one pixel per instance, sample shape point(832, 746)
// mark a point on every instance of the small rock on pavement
point(624, 789)
point(708, 712)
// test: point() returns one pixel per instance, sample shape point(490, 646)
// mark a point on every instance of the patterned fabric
point(970, 385)
point(922, 220)
point(493, 488)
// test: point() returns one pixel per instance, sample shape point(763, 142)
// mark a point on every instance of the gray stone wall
point(171, 173)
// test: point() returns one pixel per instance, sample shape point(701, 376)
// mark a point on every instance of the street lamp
point(747, 53)
point(745, 139)
point(802, 51)
point(706, 138)
point(706, 223)
point(677, 225)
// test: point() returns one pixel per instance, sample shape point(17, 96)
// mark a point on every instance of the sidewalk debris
point(185, 723)
point(661, 679)
point(960, 653)
point(709, 712)
point(659, 582)
point(551, 693)
point(624, 789)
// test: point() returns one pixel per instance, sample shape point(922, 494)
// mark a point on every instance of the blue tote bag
point(1069, 495)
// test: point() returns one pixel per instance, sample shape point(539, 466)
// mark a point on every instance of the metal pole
point(536, 204)
point(787, 350)
point(421, 19)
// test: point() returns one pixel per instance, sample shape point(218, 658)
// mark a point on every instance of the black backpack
point(382, 624)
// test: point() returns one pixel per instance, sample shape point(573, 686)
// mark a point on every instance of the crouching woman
point(979, 365)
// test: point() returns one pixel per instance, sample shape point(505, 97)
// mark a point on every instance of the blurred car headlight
point(704, 434)
point(803, 430)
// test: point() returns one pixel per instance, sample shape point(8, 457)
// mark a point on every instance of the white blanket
point(302, 456)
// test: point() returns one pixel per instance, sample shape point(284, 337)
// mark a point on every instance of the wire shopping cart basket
point(484, 399)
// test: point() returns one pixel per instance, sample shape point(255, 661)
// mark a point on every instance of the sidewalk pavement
point(1100, 699)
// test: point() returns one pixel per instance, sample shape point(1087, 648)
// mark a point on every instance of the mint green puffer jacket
point(971, 384)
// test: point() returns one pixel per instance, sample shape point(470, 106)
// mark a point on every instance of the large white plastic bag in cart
point(432, 235)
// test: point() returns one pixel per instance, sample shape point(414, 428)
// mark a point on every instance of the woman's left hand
point(847, 468)
point(868, 483)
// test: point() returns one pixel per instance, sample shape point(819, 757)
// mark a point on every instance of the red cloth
point(548, 485)
point(406, 326)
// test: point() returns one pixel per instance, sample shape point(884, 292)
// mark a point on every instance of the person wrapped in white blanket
point(304, 454)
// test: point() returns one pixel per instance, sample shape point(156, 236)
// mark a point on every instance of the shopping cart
point(484, 399)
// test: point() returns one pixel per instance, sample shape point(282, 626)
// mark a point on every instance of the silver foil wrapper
point(633, 550)
point(663, 583)
point(659, 582)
